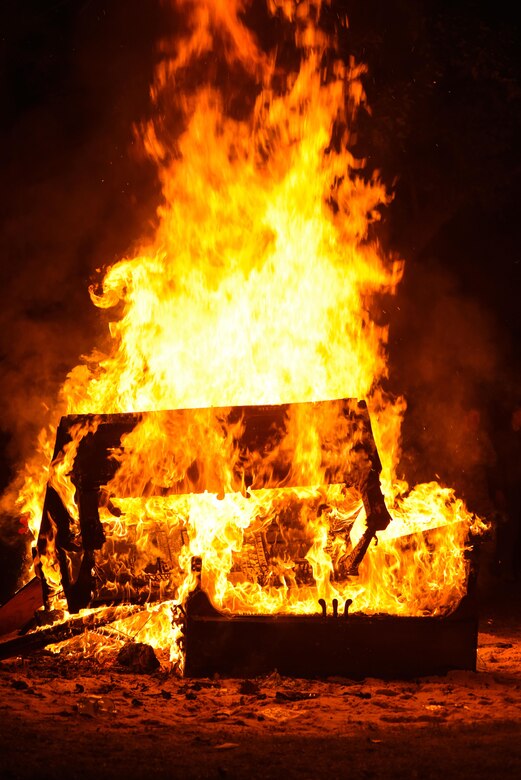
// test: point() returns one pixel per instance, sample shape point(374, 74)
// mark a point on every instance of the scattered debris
point(94, 705)
point(138, 657)
point(294, 695)
point(249, 688)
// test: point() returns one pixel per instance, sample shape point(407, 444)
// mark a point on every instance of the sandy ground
point(64, 718)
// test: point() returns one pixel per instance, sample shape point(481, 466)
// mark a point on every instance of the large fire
point(257, 288)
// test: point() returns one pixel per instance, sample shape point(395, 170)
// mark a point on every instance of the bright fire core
point(257, 288)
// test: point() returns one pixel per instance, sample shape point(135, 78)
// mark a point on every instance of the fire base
point(313, 646)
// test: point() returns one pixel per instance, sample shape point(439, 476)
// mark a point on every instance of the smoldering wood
point(27, 644)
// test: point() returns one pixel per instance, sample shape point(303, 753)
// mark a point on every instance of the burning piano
point(249, 525)
point(259, 525)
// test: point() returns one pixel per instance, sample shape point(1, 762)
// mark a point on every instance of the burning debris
point(249, 311)
point(278, 477)
point(299, 519)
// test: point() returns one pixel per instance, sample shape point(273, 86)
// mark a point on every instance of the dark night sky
point(446, 96)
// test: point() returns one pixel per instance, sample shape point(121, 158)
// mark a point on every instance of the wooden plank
point(20, 608)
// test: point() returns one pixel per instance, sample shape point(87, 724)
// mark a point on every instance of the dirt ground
point(63, 718)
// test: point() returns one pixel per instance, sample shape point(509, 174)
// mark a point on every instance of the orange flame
point(257, 289)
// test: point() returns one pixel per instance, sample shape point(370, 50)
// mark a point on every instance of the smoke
point(447, 358)
point(78, 196)
point(75, 77)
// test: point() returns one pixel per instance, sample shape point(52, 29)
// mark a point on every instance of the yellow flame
point(257, 289)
